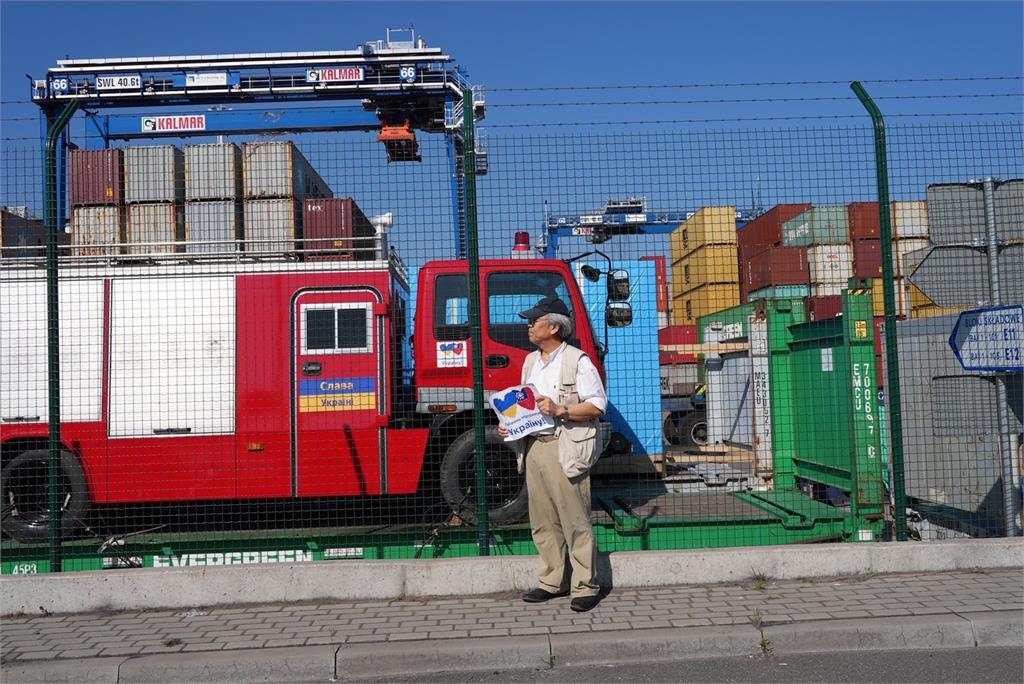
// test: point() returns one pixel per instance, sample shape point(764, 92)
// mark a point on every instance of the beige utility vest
point(577, 439)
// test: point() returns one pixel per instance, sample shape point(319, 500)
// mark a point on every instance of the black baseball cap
point(548, 305)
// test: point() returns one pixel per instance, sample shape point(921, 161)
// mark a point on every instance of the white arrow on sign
point(990, 339)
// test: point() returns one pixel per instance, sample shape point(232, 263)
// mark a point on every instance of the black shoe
point(539, 595)
point(581, 604)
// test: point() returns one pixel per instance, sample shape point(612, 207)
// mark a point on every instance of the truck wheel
point(693, 429)
point(505, 487)
point(670, 429)
point(26, 496)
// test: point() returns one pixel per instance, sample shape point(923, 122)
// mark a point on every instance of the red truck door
point(339, 385)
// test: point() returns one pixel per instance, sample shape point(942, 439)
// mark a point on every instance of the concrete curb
point(207, 586)
point(361, 661)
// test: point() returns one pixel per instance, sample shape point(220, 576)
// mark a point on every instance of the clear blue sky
point(518, 44)
point(509, 44)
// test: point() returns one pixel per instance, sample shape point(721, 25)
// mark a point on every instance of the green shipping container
point(825, 225)
point(796, 232)
point(835, 423)
point(781, 292)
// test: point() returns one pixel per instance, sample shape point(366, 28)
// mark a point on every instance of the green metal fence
point(267, 372)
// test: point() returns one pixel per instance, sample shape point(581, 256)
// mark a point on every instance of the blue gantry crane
point(617, 217)
point(400, 84)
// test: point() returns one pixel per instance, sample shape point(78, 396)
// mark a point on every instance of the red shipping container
point(867, 258)
point(778, 266)
point(744, 253)
point(820, 308)
point(863, 219)
point(97, 177)
point(661, 280)
point(336, 229)
point(677, 334)
point(766, 229)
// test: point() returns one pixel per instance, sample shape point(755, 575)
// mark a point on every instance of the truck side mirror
point(618, 285)
point(618, 314)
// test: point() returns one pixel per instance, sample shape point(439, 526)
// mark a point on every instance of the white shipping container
point(827, 289)
point(278, 169)
point(96, 230)
point(901, 249)
point(154, 174)
point(676, 374)
point(830, 263)
point(213, 226)
point(154, 223)
point(272, 225)
point(910, 219)
point(213, 172)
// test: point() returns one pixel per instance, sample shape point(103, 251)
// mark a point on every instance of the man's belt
point(545, 438)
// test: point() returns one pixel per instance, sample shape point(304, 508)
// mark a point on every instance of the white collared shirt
point(546, 376)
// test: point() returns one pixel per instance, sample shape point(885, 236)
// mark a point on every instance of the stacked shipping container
point(798, 250)
point(277, 178)
point(705, 275)
point(910, 234)
point(336, 229)
point(154, 189)
point(762, 264)
point(213, 198)
point(97, 207)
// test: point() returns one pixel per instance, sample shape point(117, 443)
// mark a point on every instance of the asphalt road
point(953, 665)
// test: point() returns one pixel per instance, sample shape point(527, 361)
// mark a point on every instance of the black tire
point(26, 496)
point(693, 429)
point(670, 429)
point(506, 488)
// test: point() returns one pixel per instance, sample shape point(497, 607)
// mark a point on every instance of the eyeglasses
point(533, 321)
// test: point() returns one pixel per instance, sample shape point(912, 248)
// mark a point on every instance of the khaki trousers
point(560, 517)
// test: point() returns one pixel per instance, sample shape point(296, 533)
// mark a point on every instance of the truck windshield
point(510, 292)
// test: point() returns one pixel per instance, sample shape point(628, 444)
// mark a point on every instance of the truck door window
point(451, 307)
point(508, 293)
point(336, 329)
point(319, 329)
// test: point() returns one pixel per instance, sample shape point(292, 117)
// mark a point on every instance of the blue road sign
point(990, 339)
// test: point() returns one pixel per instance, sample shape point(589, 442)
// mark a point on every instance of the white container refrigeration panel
point(172, 356)
point(24, 390)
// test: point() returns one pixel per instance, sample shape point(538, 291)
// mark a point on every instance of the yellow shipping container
point(704, 266)
point(878, 297)
point(709, 226)
point(688, 307)
point(922, 307)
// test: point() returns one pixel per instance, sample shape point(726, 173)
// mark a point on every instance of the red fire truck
point(204, 377)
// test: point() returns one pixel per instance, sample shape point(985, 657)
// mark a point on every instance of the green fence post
point(476, 336)
point(892, 364)
point(55, 126)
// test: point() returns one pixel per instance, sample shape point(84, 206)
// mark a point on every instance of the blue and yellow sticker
point(338, 394)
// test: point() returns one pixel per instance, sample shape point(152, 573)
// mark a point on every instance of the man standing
point(558, 460)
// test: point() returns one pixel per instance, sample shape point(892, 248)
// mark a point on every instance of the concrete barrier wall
point(348, 580)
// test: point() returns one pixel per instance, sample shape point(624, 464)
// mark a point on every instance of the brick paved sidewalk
point(280, 625)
